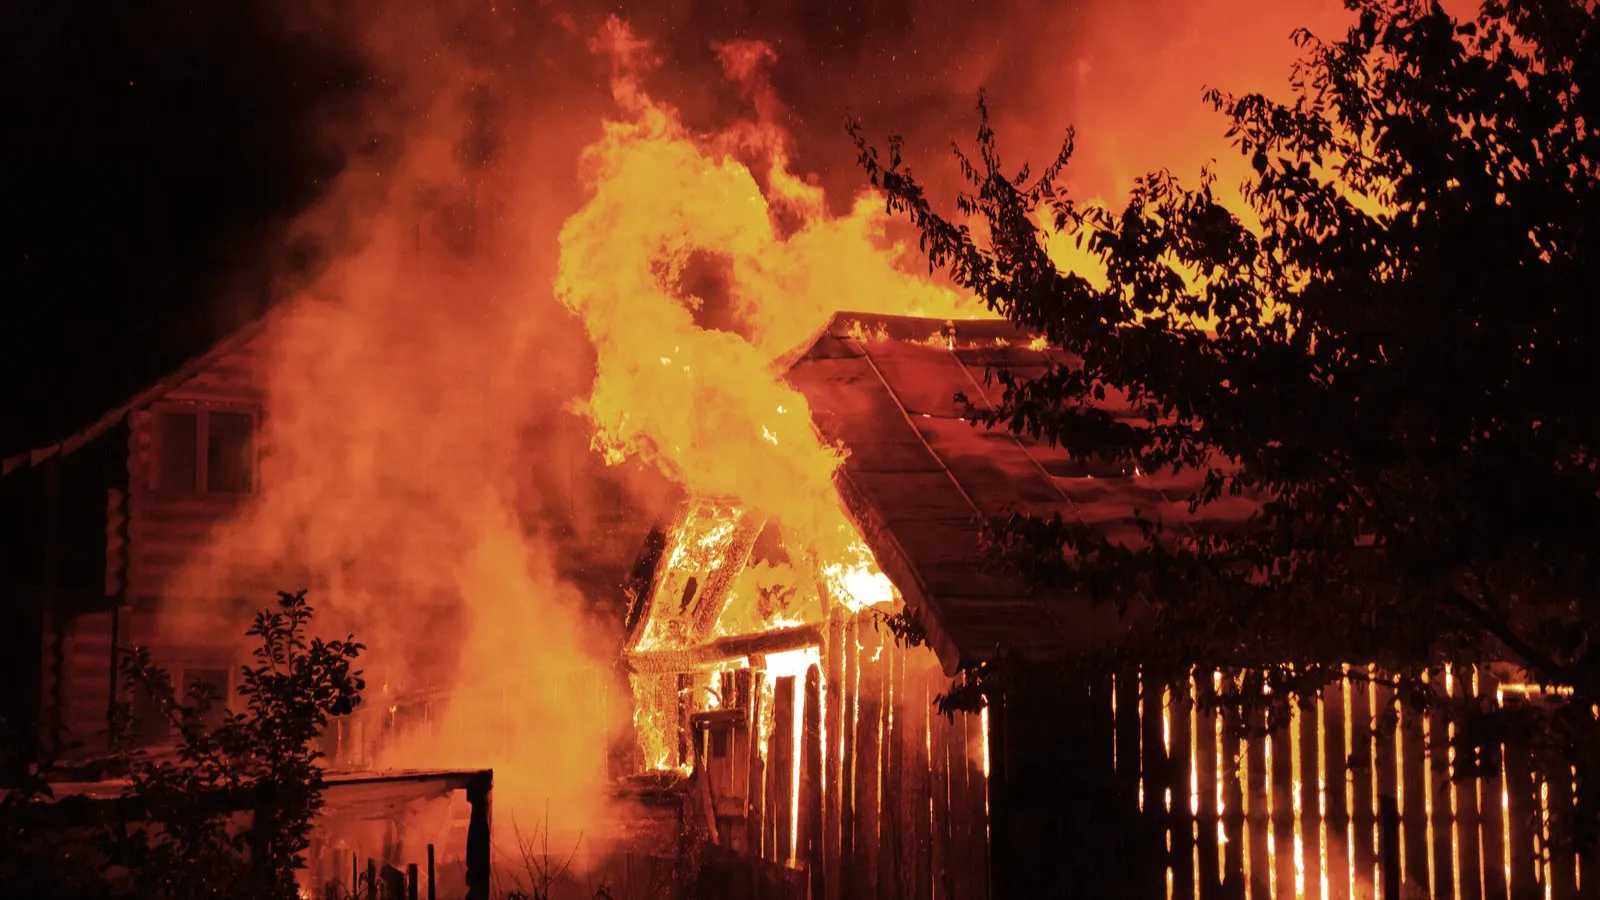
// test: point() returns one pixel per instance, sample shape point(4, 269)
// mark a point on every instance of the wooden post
point(1282, 859)
point(411, 881)
point(1233, 790)
point(1180, 818)
point(811, 809)
point(1153, 772)
point(1261, 862)
point(755, 822)
point(1389, 845)
point(1334, 776)
point(889, 835)
point(939, 778)
point(918, 791)
point(1412, 796)
point(850, 883)
point(781, 761)
point(1442, 823)
point(1363, 773)
point(1387, 774)
point(836, 651)
point(867, 767)
point(1208, 849)
point(1311, 798)
point(478, 795)
point(432, 890)
point(372, 878)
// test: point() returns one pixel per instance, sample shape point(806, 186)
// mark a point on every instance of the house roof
point(143, 398)
point(918, 478)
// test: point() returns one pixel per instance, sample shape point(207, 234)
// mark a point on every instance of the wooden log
point(813, 851)
point(835, 651)
point(850, 880)
point(1206, 742)
point(1363, 769)
point(867, 800)
point(889, 826)
point(1312, 797)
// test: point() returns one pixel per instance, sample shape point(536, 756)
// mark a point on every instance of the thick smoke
point(422, 452)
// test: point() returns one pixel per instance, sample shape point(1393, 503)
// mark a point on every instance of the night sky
point(150, 148)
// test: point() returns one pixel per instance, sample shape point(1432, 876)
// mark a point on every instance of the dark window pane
point(230, 452)
point(177, 461)
point(150, 725)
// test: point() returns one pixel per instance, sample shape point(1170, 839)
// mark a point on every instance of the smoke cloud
point(424, 450)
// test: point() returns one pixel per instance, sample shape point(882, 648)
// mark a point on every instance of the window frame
point(202, 411)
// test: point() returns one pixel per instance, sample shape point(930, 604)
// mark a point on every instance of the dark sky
point(155, 150)
point(149, 147)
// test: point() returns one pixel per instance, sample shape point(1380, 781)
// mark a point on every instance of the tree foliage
point(175, 834)
point(1393, 350)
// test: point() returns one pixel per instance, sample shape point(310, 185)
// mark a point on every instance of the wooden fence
point(880, 796)
point(1329, 806)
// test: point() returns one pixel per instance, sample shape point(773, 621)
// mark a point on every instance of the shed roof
point(919, 478)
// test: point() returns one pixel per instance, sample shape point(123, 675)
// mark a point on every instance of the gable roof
point(918, 478)
point(112, 417)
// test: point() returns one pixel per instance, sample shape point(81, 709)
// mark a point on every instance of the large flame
point(685, 371)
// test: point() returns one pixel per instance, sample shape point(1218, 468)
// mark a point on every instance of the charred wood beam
point(723, 650)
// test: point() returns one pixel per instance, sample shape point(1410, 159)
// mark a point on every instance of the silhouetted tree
point(175, 834)
point(1400, 358)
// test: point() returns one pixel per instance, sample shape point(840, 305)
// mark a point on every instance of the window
point(203, 451)
point(153, 725)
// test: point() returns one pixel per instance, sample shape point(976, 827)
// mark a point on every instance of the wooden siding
point(1298, 812)
point(887, 798)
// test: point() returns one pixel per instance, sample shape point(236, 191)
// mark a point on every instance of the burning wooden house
point(814, 746)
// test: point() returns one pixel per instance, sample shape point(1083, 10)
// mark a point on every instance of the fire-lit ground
point(489, 333)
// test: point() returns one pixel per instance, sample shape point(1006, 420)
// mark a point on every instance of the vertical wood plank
point(867, 800)
point(1179, 775)
point(1562, 873)
point(1363, 769)
point(811, 844)
point(1258, 817)
point(755, 791)
point(1491, 808)
point(1522, 799)
point(889, 765)
point(1442, 834)
point(835, 719)
point(1413, 794)
point(917, 791)
point(1159, 797)
point(959, 856)
point(1386, 771)
point(1312, 796)
point(780, 767)
point(1125, 690)
point(1233, 793)
point(939, 825)
point(1467, 830)
point(1205, 743)
point(978, 808)
point(849, 876)
point(1281, 766)
point(1335, 775)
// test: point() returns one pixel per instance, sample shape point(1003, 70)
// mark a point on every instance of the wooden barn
point(814, 746)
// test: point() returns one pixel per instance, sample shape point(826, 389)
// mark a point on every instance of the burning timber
point(810, 752)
